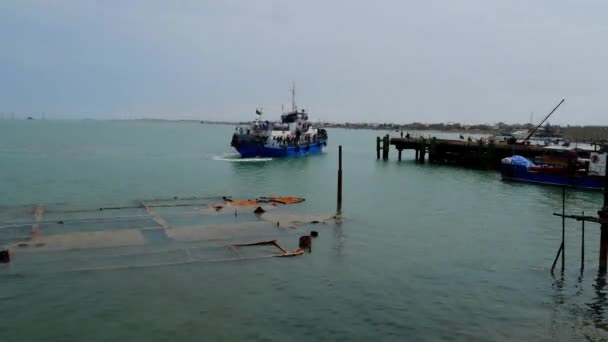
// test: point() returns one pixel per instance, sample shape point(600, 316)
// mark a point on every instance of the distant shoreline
point(572, 132)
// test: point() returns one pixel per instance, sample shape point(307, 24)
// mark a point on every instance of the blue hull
point(521, 173)
point(251, 151)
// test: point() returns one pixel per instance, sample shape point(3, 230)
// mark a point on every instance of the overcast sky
point(470, 61)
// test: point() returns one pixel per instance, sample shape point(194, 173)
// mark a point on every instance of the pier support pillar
point(378, 148)
point(491, 161)
point(385, 146)
point(400, 150)
point(432, 151)
point(422, 150)
point(416, 155)
point(603, 248)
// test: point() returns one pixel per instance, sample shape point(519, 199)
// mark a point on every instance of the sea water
point(425, 252)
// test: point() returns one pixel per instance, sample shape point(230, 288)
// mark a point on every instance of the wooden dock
point(458, 152)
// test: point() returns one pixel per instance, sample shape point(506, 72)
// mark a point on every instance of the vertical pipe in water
point(563, 226)
point(603, 214)
point(583, 243)
point(339, 179)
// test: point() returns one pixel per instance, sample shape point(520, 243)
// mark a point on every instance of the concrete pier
point(461, 152)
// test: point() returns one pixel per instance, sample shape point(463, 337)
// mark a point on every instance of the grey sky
point(401, 61)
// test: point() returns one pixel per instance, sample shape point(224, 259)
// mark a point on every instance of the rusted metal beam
point(263, 243)
point(593, 219)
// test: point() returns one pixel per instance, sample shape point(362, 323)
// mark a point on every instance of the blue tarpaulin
point(522, 161)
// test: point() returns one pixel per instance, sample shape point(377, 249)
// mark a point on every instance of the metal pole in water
point(339, 179)
point(583, 243)
point(563, 226)
point(603, 214)
point(559, 251)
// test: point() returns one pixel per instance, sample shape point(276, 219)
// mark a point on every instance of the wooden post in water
point(400, 150)
point(603, 214)
point(378, 148)
point(340, 179)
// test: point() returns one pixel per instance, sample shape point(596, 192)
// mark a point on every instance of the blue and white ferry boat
point(292, 136)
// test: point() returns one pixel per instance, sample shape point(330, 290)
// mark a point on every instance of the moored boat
point(292, 136)
point(565, 170)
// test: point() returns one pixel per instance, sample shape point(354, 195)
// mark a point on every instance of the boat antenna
point(293, 98)
point(259, 111)
point(545, 119)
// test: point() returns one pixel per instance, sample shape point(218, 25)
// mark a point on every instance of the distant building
point(586, 133)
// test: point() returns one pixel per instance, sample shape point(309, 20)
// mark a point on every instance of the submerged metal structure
point(601, 219)
point(152, 232)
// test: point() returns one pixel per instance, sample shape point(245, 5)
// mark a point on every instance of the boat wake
point(235, 157)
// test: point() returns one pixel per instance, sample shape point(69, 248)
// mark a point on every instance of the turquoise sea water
point(425, 252)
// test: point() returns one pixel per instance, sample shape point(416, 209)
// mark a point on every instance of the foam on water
point(235, 157)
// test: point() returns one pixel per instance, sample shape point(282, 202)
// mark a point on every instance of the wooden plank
point(82, 240)
point(154, 215)
point(37, 218)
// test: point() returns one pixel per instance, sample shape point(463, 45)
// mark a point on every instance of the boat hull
point(522, 174)
point(253, 150)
